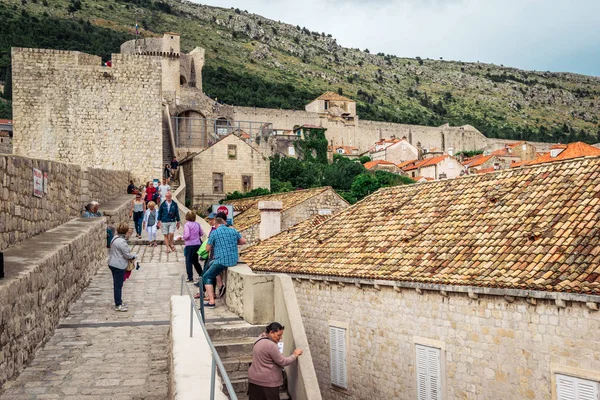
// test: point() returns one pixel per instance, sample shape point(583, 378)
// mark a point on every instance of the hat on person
point(212, 215)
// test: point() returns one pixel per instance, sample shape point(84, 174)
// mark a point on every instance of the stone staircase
point(234, 342)
point(167, 153)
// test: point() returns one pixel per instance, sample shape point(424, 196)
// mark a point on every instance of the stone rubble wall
point(70, 108)
point(102, 185)
point(23, 215)
point(493, 349)
point(44, 275)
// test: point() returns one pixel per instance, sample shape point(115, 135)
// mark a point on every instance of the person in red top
point(149, 192)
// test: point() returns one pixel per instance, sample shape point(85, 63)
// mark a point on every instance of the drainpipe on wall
point(270, 218)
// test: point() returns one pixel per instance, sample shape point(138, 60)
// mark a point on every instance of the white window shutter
point(429, 373)
point(571, 388)
point(337, 352)
point(421, 373)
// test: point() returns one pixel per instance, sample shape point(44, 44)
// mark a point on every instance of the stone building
point(438, 167)
point(68, 107)
point(227, 166)
point(6, 134)
point(394, 150)
point(296, 206)
point(483, 287)
point(482, 162)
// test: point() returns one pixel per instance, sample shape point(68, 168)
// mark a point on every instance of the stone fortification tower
point(178, 69)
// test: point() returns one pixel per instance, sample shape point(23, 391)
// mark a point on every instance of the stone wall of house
point(102, 185)
point(70, 108)
point(216, 159)
point(328, 202)
point(494, 349)
point(44, 276)
point(23, 215)
point(6, 145)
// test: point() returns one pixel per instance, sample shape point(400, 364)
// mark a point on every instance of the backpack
point(109, 237)
point(152, 218)
point(202, 252)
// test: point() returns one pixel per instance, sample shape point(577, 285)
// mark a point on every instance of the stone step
point(240, 386)
point(236, 364)
point(231, 348)
point(234, 330)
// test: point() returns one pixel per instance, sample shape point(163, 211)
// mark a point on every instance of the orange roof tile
point(372, 164)
point(477, 162)
point(406, 163)
point(571, 150)
point(532, 228)
point(250, 215)
point(485, 170)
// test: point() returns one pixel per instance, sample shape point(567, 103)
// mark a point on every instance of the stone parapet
point(103, 185)
point(23, 215)
point(44, 275)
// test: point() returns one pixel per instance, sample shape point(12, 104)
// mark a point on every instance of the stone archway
point(191, 129)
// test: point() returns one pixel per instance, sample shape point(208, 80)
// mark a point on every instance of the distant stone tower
point(178, 69)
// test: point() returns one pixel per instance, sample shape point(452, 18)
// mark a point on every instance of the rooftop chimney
point(270, 218)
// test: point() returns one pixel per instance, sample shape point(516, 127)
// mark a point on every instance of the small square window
point(217, 182)
point(232, 151)
point(246, 183)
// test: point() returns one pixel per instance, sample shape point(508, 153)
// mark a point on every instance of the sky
point(542, 35)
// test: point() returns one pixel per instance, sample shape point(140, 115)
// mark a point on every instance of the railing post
point(192, 305)
point(181, 291)
point(201, 291)
point(213, 370)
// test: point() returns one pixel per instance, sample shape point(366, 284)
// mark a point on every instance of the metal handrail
point(216, 360)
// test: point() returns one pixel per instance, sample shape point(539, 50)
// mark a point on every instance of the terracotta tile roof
point(485, 170)
point(350, 150)
point(6, 121)
point(251, 216)
point(571, 150)
point(477, 161)
point(262, 249)
point(333, 97)
point(427, 162)
point(372, 164)
point(503, 152)
point(425, 178)
point(534, 228)
point(406, 163)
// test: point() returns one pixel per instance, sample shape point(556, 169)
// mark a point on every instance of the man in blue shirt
point(168, 220)
point(223, 242)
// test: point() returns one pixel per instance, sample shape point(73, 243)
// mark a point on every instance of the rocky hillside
point(255, 61)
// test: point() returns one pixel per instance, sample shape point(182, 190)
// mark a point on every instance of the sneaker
point(189, 280)
point(121, 308)
point(221, 292)
point(207, 304)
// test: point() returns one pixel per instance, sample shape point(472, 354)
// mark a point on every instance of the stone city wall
point(23, 215)
point(68, 107)
point(44, 275)
point(494, 349)
point(102, 185)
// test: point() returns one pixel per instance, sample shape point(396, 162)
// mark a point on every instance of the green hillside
point(254, 61)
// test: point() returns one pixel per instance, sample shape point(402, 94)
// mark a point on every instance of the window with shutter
point(572, 388)
point(337, 356)
point(429, 373)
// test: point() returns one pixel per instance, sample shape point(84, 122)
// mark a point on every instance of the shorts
point(168, 227)
point(210, 275)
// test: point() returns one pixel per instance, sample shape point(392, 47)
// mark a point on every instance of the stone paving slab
point(95, 361)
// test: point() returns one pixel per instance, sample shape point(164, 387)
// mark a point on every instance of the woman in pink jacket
point(265, 376)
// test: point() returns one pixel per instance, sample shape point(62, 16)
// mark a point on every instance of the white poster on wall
point(38, 183)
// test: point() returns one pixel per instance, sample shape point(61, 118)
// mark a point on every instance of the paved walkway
point(98, 353)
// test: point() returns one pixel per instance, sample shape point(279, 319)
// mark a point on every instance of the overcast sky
point(561, 36)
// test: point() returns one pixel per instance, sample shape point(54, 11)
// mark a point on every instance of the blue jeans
point(210, 275)
point(191, 259)
point(138, 218)
point(118, 279)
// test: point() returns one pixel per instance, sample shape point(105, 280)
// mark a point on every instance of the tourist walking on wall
point(265, 375)
point(118, 257)
point(223, 242)
point(151, 223)
point(138, 208)
point(168, 220)
point(174, 167)
point(163, 189)
point(149, 192)
point(192, 236)
point(167, 172)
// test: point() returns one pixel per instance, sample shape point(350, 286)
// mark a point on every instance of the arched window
point(182, 80)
